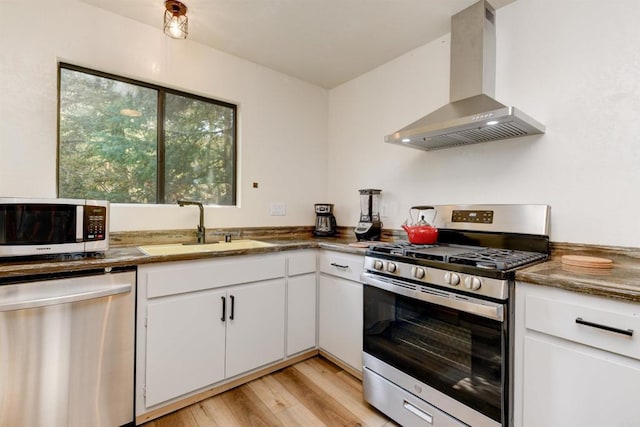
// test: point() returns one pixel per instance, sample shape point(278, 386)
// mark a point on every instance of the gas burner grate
point(420, 254)
point(398, 248)
point(497, 259)
point(486, 258)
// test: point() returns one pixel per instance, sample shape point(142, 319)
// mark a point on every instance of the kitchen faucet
point(200, 233)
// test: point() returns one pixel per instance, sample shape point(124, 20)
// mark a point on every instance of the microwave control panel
point(95, 223)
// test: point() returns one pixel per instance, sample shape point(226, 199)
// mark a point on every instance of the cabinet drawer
point(301, 262)
point(342, 265)
point(566, 319)
point(189, 276)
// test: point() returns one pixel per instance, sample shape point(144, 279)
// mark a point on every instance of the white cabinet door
point(340, 319)
point(571, 374)
point(301, 313)
point(185, 344)
point(571, 385)
point(255, 334)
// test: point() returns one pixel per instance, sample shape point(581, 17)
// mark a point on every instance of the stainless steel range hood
point(473, 115)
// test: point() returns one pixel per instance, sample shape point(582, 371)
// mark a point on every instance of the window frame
point(162, 91)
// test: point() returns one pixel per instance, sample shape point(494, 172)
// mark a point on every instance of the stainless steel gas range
point(438, 319)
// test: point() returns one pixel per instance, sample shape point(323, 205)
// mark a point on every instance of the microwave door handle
point(79, 223)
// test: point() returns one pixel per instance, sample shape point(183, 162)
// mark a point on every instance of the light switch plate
point(278, 209)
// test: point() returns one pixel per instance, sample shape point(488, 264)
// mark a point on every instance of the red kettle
point(421, 232)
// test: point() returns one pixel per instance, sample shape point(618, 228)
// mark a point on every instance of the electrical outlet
point(278, 209)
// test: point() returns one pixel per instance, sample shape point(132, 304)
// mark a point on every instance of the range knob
point(418, 272)
point(451, 278)
point(392, 267)
point(472, 283)
point(378, 265)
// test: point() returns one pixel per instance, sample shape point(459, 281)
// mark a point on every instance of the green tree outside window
point(111, 147)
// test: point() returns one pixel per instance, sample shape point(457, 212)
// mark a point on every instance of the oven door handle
point(468, 305)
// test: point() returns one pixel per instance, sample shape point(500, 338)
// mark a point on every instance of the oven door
point(454, 344)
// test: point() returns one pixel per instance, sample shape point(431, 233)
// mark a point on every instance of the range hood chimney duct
point(472, 115)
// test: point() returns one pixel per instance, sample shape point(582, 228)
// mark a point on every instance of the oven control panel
point(489, 287)
point(472, 216)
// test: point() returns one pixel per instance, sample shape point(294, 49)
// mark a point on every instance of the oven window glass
point(455, 352)
point(37, 224)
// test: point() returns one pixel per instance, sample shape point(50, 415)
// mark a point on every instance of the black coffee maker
point(325, 221)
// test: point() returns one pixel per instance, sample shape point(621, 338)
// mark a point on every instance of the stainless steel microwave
point(34, 226)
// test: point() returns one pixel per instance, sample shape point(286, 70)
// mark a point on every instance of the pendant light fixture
point(176, 23)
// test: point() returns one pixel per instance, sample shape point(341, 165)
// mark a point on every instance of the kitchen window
point(131, 142)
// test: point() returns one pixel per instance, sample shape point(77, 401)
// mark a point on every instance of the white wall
point(283, 121)
point(574, 65)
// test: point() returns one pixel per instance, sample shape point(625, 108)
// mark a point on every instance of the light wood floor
point(314, 392)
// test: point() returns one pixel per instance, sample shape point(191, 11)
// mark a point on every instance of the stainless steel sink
point(178, 248)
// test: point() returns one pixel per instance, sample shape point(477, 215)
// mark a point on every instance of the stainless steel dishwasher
point(67, 350)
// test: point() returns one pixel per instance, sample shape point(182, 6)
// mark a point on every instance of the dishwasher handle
point(54, 292)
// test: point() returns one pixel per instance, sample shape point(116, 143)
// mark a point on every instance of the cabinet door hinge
point(146, 317)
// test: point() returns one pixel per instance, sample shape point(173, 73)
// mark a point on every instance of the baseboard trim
point(351, 370)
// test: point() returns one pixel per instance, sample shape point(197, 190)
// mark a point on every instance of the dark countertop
point(622, 281)
point(132, 256)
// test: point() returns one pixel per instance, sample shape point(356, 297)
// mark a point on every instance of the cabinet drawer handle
point(233, 305)
point(224, 309)
point(343, 267)
point(627, 332)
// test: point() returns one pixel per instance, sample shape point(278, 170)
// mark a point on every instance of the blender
point(369, 227)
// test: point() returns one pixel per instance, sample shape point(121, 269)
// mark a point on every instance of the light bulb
point(174, 28)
